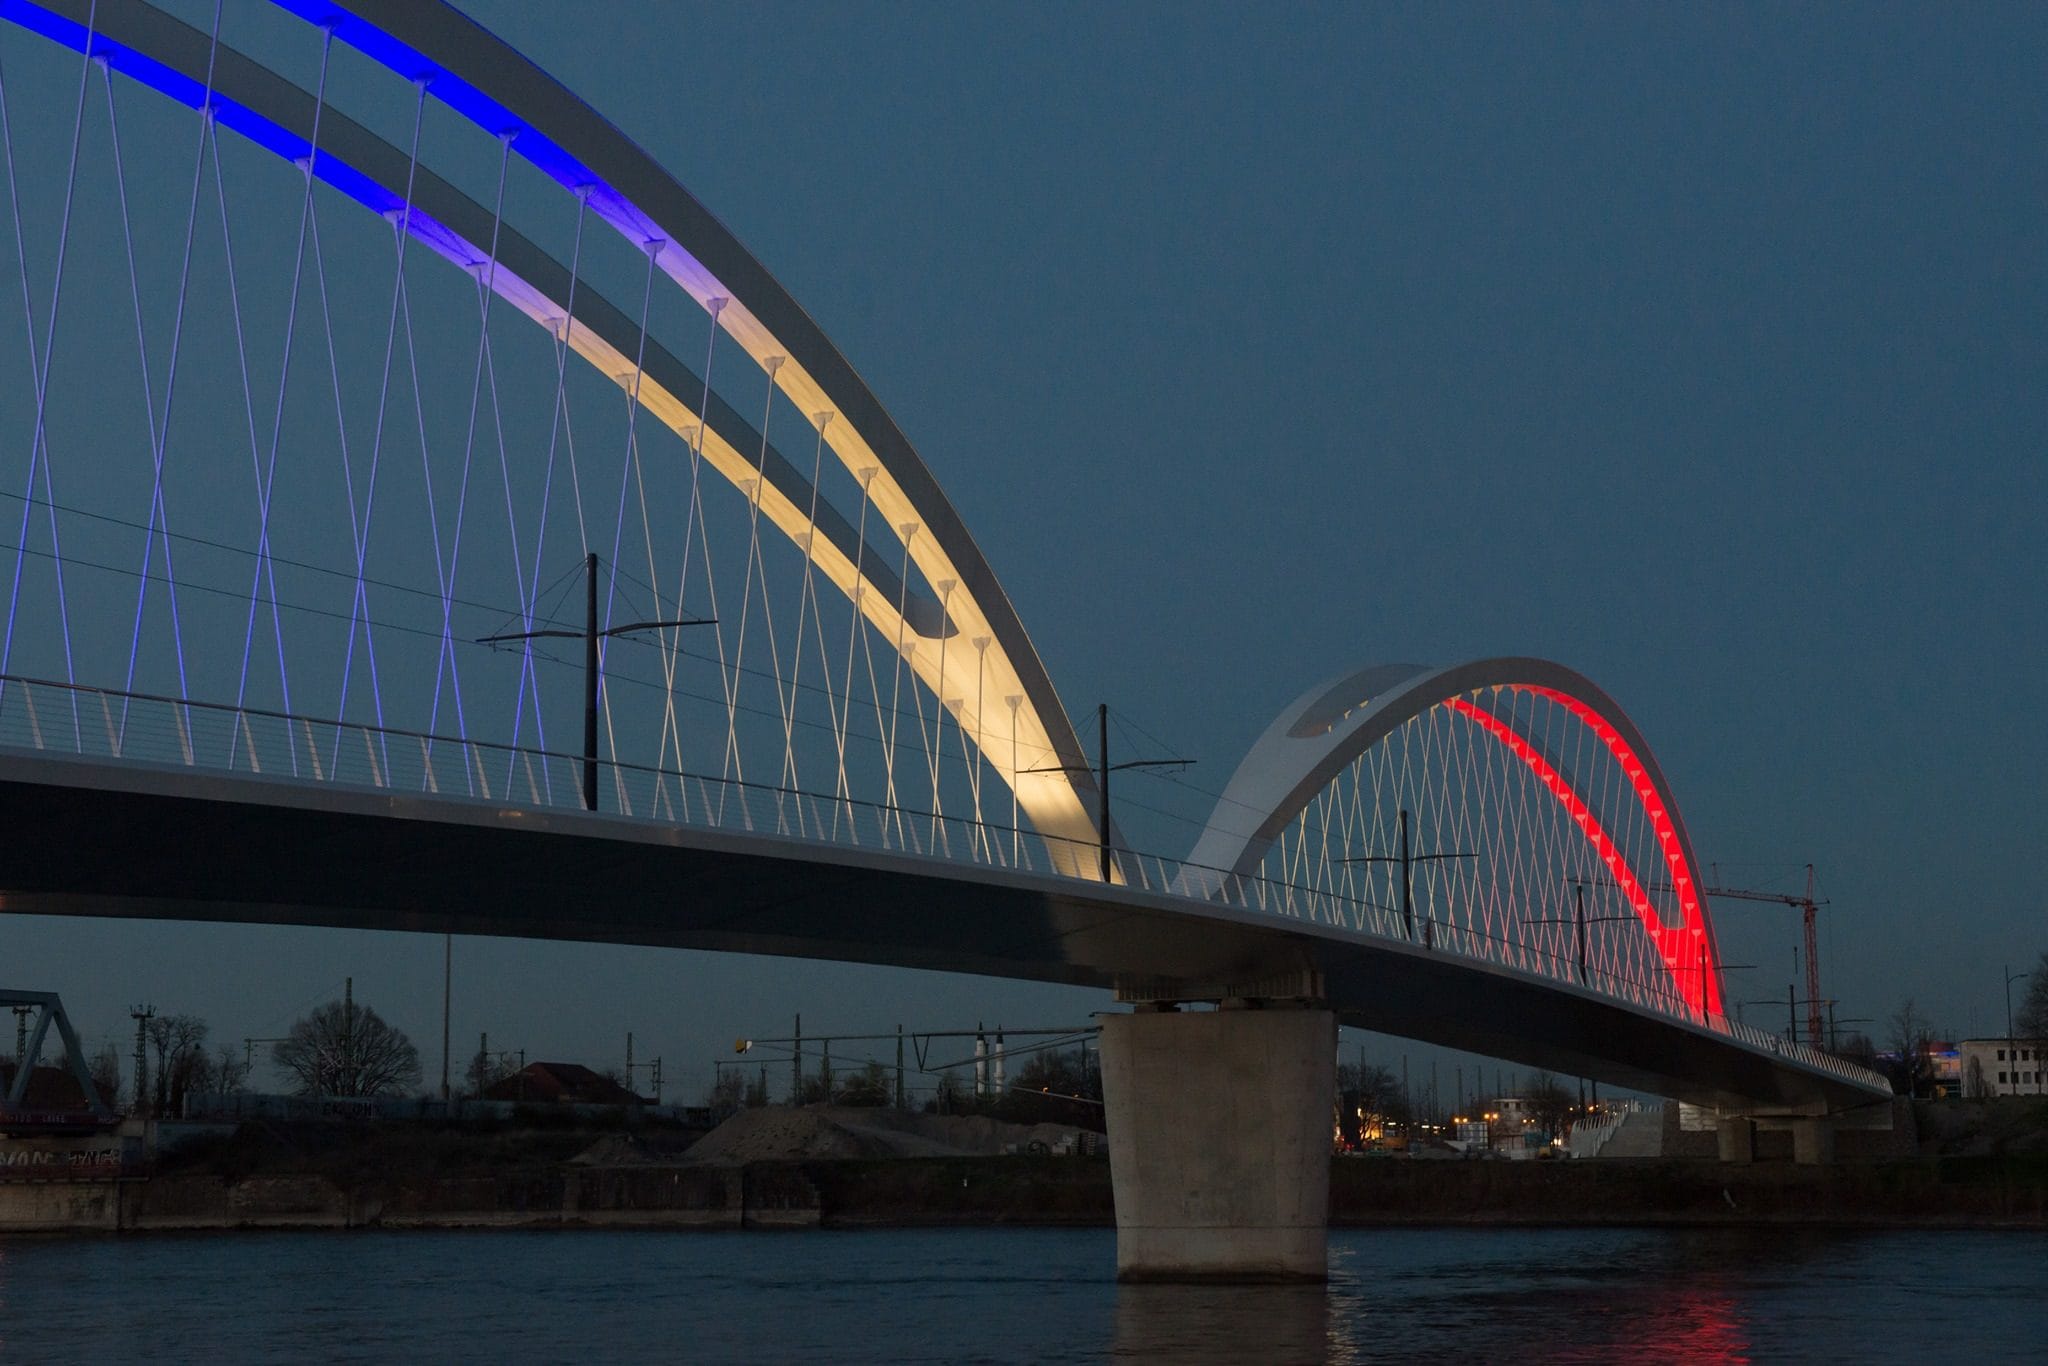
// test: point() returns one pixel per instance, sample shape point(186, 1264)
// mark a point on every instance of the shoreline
point(1934, 1193)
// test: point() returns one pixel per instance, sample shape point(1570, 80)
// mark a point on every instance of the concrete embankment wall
point(1956, 1191)
point(769, 1195)
point(1933, 1192)
point(83, 1206)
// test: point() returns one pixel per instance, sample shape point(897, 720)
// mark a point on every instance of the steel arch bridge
point(360, 365)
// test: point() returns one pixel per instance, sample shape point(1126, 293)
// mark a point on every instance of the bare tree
point(105, 1070)
point(1550, 1103)
point(226, 1072)
point(2031, 1019)
point(1061, 1073)
point(949, 1097)
point(487, 1070)
point(1912, 1036)
point(727, 1093)
point(1379, 1092)
point(870, 1086)
point(1369, 1098)
point(1856, 1047)
point(347, 1049)
point(179, 1043)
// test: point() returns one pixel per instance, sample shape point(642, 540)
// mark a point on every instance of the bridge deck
point(124, 839)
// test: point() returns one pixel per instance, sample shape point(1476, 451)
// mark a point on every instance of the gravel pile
point(777, 1131)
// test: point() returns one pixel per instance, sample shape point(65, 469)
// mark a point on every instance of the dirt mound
point(627, 1150)
point(777, 1131)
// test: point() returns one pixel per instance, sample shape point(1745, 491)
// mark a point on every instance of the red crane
point(1807, 908)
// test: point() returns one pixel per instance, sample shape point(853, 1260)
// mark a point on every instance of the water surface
point(1019, 1295)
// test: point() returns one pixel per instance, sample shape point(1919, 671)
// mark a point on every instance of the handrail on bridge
point(153, 727)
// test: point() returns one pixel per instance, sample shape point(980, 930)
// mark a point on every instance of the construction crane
point(1807, 908)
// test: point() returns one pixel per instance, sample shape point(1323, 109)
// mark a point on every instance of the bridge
point(377, 406)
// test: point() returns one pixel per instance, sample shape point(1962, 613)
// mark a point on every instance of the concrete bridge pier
point(1813, 1141)
point(1813, 1135)
point(1219, 1137)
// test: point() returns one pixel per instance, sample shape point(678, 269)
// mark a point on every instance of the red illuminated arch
point(1327, 728)
point(1685, 948)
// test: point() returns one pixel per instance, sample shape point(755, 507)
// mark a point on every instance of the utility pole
point(142, 1016)
point(1101, 772)
point(1408, 862)
point(249, 1053)
point(2011, 1056)
point(1102, 757)
point(21, 1014)
point(1808, 909)
point(796, 1062)
point(590, 686)
point(1834, 1025)
point(348, 1036)
point(590, 635)
point(447, 985)
point(653, 1070)
point(1580, 920)
point(899, 1067)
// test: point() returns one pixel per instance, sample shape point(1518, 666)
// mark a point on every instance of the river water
point(1020, 1295)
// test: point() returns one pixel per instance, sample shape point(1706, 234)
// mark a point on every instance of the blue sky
point(1699, 348)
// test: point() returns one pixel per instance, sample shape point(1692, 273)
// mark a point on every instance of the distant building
point(549, 1083)
point(2004, 1067)
point(52, 1103)
point(1944, 1066)
point(49, 1088)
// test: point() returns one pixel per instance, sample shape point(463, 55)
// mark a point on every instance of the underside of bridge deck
point(97, 839)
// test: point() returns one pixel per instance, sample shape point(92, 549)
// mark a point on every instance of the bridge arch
point(993, 684)
point(1508, 728)
point(481, 77)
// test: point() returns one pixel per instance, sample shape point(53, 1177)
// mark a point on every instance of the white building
point(2004, 1067)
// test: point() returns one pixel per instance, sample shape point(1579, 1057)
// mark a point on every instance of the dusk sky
point(1703, 349)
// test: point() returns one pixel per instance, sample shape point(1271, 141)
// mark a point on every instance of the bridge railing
point(48, 716)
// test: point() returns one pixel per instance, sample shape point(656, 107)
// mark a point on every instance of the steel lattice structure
point(413, 334)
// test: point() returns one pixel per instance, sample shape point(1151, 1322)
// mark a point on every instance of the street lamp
point(2011, 1054)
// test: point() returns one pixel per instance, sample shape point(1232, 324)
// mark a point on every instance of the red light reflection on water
point(1690, 1322)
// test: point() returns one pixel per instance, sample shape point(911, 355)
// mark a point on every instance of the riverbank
point(834, 1167)
point(1958, 1192)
